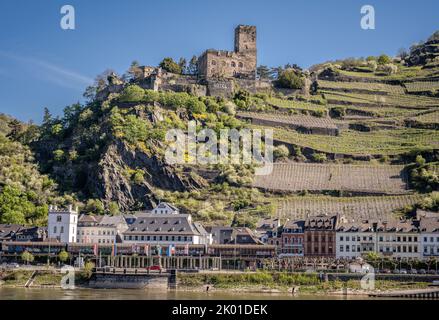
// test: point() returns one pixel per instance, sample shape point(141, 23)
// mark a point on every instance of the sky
point(42, 65)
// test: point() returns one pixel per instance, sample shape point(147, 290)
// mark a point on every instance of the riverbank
point(243, 282)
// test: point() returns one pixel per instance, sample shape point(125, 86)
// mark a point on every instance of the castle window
point(58, 218)
point(233, 64)
point(213, 62)
point(240, 64)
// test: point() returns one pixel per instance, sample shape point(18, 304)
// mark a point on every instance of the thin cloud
point(51, 72)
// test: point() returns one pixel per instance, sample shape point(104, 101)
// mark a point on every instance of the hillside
point(367, 127)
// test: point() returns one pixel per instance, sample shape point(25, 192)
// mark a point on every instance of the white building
point(393, 238)
point(101, 229)
point(164, 225)
point(399, 239)
point(62, 224)
point(429, 227)
point(354, 239)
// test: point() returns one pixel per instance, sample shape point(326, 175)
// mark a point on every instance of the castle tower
point(245, 39)
point(62, 224)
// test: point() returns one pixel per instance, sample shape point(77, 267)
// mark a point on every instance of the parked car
point(403, 271)
point(12, 265)
point(413, 271)
point(386, 271)
point(154, 268)
point(396, 271)
point(431, 271)
point(422, 271)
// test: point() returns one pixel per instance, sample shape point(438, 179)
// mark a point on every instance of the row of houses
point(338, 237)
point(317, 236)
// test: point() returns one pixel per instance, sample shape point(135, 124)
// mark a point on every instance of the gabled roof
point(429, 225)
point(153, 224)
point(321, 222)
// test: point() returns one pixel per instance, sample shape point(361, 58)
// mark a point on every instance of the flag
point(159, 250)
point(95, 249)
point(186, 249)
point(171, 250)
point(146, 249)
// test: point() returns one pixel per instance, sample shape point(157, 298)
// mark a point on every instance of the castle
point(219, 72)
point(240, 63)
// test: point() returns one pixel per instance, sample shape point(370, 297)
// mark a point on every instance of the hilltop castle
point(219, 73)
point(240, 63)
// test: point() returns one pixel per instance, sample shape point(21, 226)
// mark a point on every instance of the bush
point(290, 79)
point(87, 271)
point(281, 151)
point(384, 59)
point(27, 257)
point(132, 93)
point(170, 65)
point(319, 157)
point(63, 256)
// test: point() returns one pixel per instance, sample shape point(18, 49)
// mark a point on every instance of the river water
point(136, 294)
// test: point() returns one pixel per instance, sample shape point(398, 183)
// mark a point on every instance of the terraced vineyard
point(373, 179)
point(350, 142)
point(422, 86)
point(426, 118)
point(408, 101)
point(363, 86)
point(294, 121)
point(353, 207)
point(300, 106)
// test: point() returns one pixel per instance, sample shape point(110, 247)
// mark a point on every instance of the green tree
point(113, 208)
point(87, 271)
point(170, 65)
point(63, 256)
point(27, 257)
point(384, 59)
point(94, 206)
point(264, 72)
point(132, 93)
point(290, 79)
point(183, 65)
point(192, 68)
point(134, 71)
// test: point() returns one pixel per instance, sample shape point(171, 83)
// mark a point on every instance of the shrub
point(170, 65)
point(281, 151)
point(87, 271)
point(58, 155)
point(319, 157)
point(384, 59)
point(132, 93)
point(63, 256)
point(290, 79)
point(27, 257)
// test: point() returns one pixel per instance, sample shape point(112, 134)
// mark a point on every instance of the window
point(62, 229)
point(341, 248)
point(58, 218)
point(213, 62)
point(240, 64)
point(341, 238)
point(425, 239)
point(54, 229)
point(233, 64)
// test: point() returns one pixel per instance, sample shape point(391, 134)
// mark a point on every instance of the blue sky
point(42, 65)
